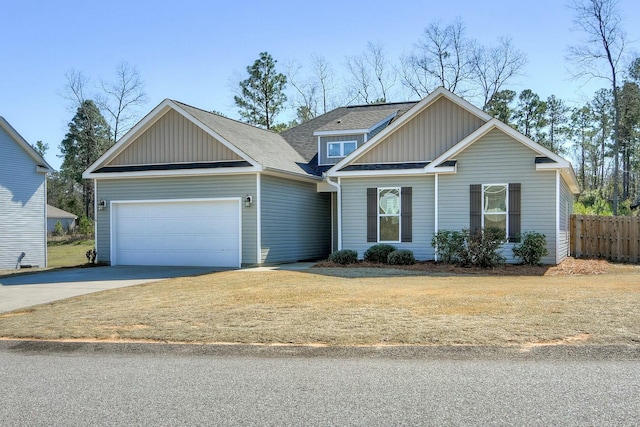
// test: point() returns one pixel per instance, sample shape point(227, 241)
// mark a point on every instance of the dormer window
point(341, 149)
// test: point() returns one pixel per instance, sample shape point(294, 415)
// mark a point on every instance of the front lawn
point(68, 253)
point(372, 307)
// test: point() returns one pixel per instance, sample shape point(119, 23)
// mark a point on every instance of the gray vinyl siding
point(22, 207)
point(498, 159)
point(173, 139)
point(566, 209)
point(296, 220)
point(354, 213)
point(200, 187)
point(324, 141)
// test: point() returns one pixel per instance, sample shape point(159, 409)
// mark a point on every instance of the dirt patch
point(568, 267)
point(576, 339)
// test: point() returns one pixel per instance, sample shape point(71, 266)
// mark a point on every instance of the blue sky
point(190, 50)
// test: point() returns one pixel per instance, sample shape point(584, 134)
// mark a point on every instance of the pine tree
point(262, 94)
point(87, 139)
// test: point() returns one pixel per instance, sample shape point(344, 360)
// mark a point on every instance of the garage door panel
point(204, 233)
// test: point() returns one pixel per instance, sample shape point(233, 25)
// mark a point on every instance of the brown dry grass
point(372, 307)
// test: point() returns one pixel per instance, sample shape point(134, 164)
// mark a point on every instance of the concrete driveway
point(24, 290)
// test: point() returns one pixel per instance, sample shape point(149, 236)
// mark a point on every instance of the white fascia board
point(407, 116)
point(181, 172)
point(340, 132)
point(397, 172)
point(148, 120)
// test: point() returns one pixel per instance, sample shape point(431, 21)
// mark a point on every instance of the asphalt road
point(115, 385)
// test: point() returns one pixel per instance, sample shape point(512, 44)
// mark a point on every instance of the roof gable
point(442, 101)
point(198, 140)
point(173, 139)
point(40, 162)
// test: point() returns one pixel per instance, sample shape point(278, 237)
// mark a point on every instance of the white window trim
point(341, 143)
point(506, 202)
point(399, 214)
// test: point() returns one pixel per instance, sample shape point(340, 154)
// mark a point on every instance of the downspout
point(258, 203)
point(435, 204)
point(557, 217)
point(339, 191)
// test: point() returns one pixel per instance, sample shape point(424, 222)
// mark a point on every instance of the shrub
point(532, 248)
point(85, 226)
point(58, 230)
point(401, 257)
point(448, 245)
point(481, 248)
point(378, 253)
point(345, 256)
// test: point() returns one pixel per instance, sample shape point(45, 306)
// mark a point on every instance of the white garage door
point(189, 233)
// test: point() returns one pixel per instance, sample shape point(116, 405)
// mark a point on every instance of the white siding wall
point(354, 213)
point(179, 188)
point(22, 207)
point(296, 220)
point(498, 159)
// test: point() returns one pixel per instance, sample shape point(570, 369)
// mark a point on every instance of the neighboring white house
point(67, 219)
point(23, 200)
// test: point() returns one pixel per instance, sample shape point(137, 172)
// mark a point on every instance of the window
point(341, 149)
point(389, 214)
point(497, 206)
point(494, 206)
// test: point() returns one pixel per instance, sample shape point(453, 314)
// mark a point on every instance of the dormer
point(337, 139)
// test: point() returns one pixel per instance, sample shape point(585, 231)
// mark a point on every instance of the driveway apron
point(24, 290)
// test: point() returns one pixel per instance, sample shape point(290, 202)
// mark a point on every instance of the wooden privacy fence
point(616, 238)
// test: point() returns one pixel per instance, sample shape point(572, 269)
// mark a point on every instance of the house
point(189, 187)
point(67, 219)
point(23, 199)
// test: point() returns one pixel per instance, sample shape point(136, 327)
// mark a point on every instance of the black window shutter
point(475, 207)
point(406, 196)
point(514, 212)
point(372, 214)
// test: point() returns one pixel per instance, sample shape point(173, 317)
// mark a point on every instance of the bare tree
point(599, 56)
point(121, 97)
point(372, 76)
point(494, 66)
point(304, 100)
point(441, 58)
point(324, 75)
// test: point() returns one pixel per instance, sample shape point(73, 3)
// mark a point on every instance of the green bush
point(85, 226)
point(401, 257)
point(344, 256)
point(532, 248)
point(378, 253)
point(448, 245)
point(58, 230)
point(481, 248)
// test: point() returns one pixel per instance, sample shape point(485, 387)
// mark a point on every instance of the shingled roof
point(302, 138)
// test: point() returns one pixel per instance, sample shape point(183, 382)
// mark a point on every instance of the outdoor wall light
point(102, 204)
point(248, 201)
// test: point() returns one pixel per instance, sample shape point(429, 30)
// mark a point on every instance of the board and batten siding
point(23, 226)
point(199, 187)
point(173, 139)
point(498, 159)
point(296, 220)
point(354, 213)
point(428, 135)
point(324, 143)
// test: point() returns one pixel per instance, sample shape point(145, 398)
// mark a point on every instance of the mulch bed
point(568, 267)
